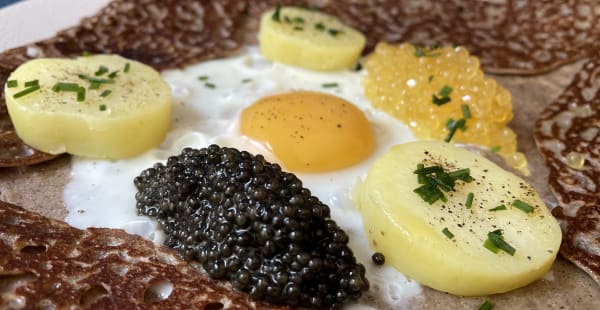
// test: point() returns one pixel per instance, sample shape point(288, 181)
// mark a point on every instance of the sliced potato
point(412, 234)
point(309, 39)
point(128, 113)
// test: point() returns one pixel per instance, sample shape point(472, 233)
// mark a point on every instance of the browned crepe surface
point(40, 187)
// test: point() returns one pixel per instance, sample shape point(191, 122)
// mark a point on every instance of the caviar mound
point(252, 224)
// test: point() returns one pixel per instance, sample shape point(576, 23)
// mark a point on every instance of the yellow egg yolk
point(309, 131)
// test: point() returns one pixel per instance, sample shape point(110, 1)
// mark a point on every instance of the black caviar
point(252, 224)
point(378, 258)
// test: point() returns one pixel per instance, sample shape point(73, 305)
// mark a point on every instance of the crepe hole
point(9, 282)
point(158, 291)
point(33, 249)
point(92, 294)
point(214, 306)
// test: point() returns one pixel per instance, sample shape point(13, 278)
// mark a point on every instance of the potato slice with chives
point(442, 242)
point(102, 106)
point(308, 39)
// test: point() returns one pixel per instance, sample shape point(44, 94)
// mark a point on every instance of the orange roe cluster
point(407, 81)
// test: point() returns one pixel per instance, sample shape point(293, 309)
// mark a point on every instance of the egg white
point(101, 193)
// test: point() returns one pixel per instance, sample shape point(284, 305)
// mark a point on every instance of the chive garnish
point(81, 94)
point(277, 13)
point(94, 85)
point(209, 85)
point(453, 125)
point(487, 305)
point(447, 232)
point(523, 206)
point(330, 85)
point(203, 78)
point(113, 74)
point(127, 67)
point(102, 107)
point(421, 52)
point(32, 83)
point(320, 26)
point(333, 32)
point(60, 86)
point(498, 208)
point(101, 71)
point(497, 240)
point(26, 91)
point(246, 80)
point(92, 79)
point(357, 67)
point(86, 53)
point(488, 244)
point(12, 83)
point(466, 111)
point(298, 19)
point(434, 180)
point(105, 93)
point(495, 149)
point(287, 19)
point(430, 78)
point(469, 201)
point(298, 28)
point(444, 96)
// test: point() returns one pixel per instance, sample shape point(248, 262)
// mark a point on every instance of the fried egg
point(318, 125)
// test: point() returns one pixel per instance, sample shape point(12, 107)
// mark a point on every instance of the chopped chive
point(466, 111)
point(101, 71)
point(495, 149)
point(94, 85)
point(60, 86)
point(444, 96)
point(32, 83)
point(434, 180)
point(469, 201)
point(495, 237)
point(447, 232)
point(298, 19)
point(298, 28)
point(419, 52)
point(287, 19)
point(113, 74)
point(26, 91)
point(86, 53)
point(320, 26)
point(330, 85)
point(452, 126)
point(209, 85)
point(246, 80)
point(488, 244)
point(105, 93)
point(203, 78)
point(420, 176)
point(127, 67)
point(430, 78)
point(92, 79)
point(277, 13)
point(487, 305)
point(357, 67)
point(102, 107)
point(333, 32)
point(498, 208)
point(523, 206)
point(81, 94)
point(12, 83)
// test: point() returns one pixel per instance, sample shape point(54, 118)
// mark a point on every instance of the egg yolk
point(309, 131)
